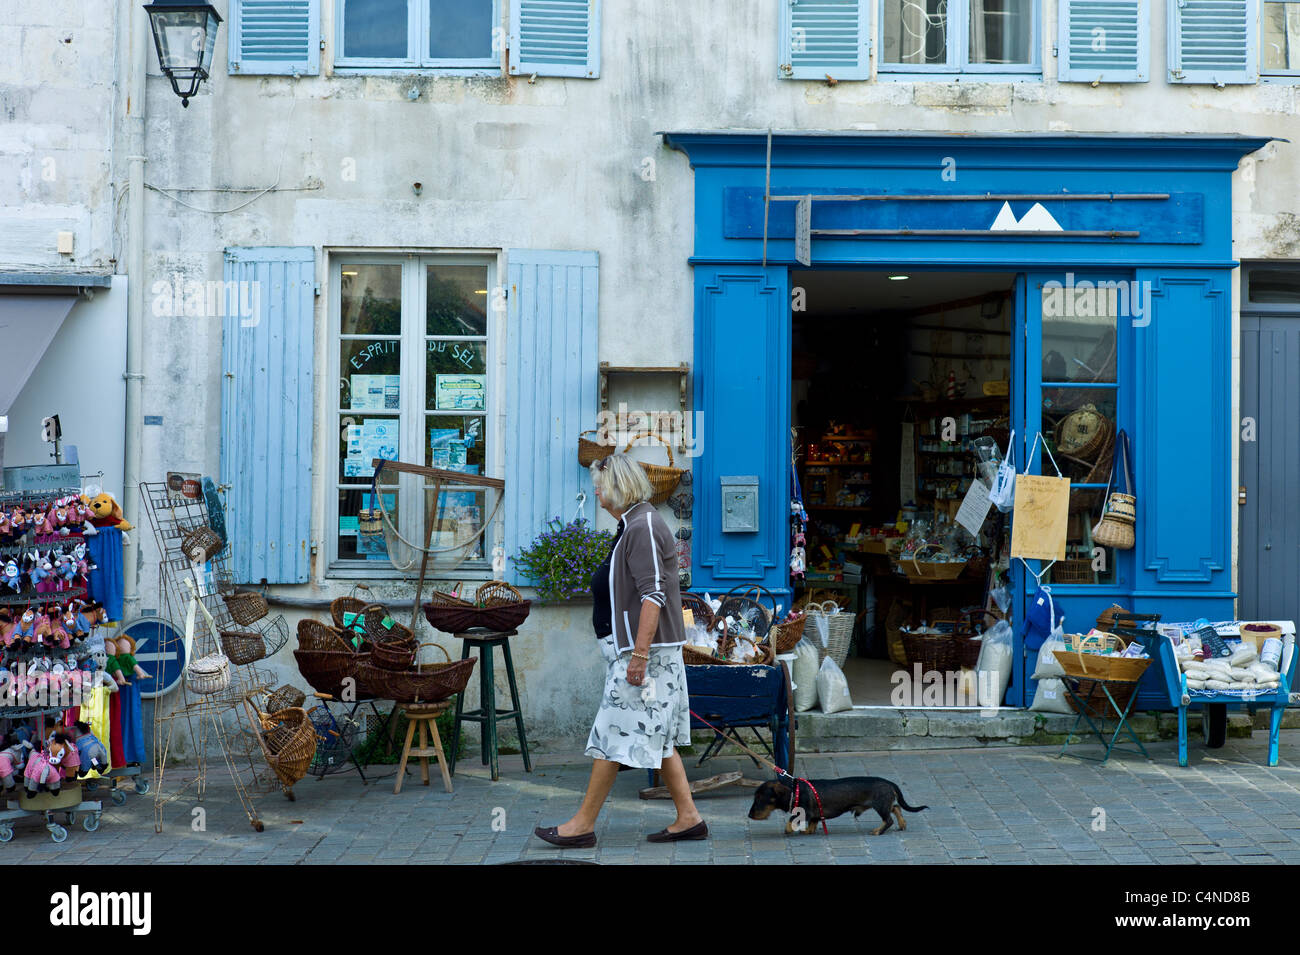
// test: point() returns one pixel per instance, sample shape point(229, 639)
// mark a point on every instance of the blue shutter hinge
point(318, 291)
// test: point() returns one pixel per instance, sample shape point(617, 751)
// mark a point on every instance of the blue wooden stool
point(487, 714)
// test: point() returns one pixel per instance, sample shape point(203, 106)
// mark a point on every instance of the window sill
point(1027, 77)
point(343, 570)
point(398, 72)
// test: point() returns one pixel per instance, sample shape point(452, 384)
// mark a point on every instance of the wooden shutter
point(1213, 41)
point(274, 37)
point(266, 412)
point(550, 389)
point(555, 38)
point(1105, 41)
point(824, 37)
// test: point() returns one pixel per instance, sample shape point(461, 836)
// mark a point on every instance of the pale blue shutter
point(550, 389)
point(1213, 41)
point(267, 350)
point(1104, 41)
point(821, 38)
point(555, 38)
point(274, 37)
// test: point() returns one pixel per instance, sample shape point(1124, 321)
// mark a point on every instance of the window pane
point(455, 443)
point(370, 374)
point(1079, 426)
point(361, 440)
point(457, 376)
point(1083, 564)
point(370, 300)
point(1275, 286)
point(460, 29)
point(1079, 323)
point(457, 299)
point(360, 530)
point(1000, 31)
point(1280, 49)
point(375, 28)
point(458, 521)
point(916, 31)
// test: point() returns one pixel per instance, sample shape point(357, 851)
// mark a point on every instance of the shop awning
point(33, 306)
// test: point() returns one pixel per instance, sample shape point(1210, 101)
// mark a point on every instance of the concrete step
point(888, 728)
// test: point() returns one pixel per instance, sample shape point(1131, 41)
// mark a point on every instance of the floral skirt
point(640, 725)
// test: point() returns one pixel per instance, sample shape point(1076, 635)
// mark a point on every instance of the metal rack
point(215, 721)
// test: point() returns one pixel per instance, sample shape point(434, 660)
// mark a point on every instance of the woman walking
point(637, 615)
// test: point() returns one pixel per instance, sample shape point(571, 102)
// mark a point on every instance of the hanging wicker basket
point(288, 742)
point(201, 544)
point(246, 609)
point(1083, 433)
point(663, 480)
point(243, 647)
point(284, 698)
point(326, 670)
point(589, 452)
point(208, 675)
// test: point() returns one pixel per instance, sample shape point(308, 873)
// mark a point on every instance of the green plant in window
point(562, 558)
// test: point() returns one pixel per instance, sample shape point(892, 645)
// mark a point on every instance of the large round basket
point(935, 652)
point(345, 605)
point(326, 670)
point(663, 479)
point(382, 626)
point(425, 683)
point(288, 743)
point(394, 655)
point(839, 626)
point(746, 602)
point(502, 617)
point(246, 609)
point(316, 636)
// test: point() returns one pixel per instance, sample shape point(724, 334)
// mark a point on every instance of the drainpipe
point(136, 23)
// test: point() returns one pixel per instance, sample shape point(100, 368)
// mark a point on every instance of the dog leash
point(773, 766)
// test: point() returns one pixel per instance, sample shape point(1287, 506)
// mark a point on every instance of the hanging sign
point(1042, 511)
point(803, 231)
point(974, 507)
point(907, 466)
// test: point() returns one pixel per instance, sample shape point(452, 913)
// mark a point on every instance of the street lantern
point(185, 34)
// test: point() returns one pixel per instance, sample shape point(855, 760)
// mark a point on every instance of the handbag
point(1003, 495)
point(1119, 513)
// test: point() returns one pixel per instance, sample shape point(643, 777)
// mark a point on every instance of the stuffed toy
point(13, 756)
point(92, 752)
point(38, 572)
point(65, 567)
point(23, 630)
point(106, 512)
point(11, 577)
point(126, 660)
point(43, 766)
point(81, 518)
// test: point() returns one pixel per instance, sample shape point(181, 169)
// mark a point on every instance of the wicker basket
point(914, 569)
point(378, 632)
point(284, 698)
point(700, 611)
point(968, 640)
point(326, 670)
point(497, 593)
point(935, 652)
point(341, 605)
point(663, 479)
point(589, 452)
point(694, 656)
point(314, 637)
point(764, 657)
point(201, 544)
point(208, 675)
point(785, 636)
point(457, 619)
point(1093, 666)
point(1083, 433)
point(288, 743)
point(747, 599)
point(243, 647)
point(394, 655)
point(840, 631)
point(1073, 571)
point(246, 609)
point(426, 683)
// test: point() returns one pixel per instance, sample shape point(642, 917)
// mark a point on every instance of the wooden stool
point(487, 713)
point(423, 715)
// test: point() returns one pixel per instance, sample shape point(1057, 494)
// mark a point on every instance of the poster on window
point(449, 449)
point(376, 392)
point(355, 464)
point(460, 392)
point(373, 438)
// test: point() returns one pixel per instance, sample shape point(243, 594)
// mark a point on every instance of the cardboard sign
point(974, 508)
point(1040, 516)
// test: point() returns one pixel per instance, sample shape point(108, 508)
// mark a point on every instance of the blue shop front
point(1110, 259)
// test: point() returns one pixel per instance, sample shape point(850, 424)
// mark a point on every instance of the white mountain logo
point(1037, 219)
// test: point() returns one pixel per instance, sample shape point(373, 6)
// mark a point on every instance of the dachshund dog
point(837, 796)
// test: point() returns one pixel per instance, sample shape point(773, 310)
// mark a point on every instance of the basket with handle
point(288, 742)
point(423, 683)
point(211, 673)
point(968, 639)
point(246, 608)
point(746, 602)
point(243, 647)
point(202, 544)
point(663, 479)
point(394, 654)
point(589, 452)
point(698, 656)
point(1087, 670)
point(785, 636)
point(315, 637)
point(351, 604)
point(915, 569)
point(382, 626)
point(935, 652)
point(839, 627)
point(284, 698)
point(1119, 513)
point(497, 593)
point(763, 652)
point(701, 612)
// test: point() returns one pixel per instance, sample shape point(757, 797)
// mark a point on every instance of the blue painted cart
point(1214, 704)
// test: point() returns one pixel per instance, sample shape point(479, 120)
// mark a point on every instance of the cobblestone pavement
point(997, 805)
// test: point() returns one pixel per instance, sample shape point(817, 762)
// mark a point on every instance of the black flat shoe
point(698, 831)
point(550, 834)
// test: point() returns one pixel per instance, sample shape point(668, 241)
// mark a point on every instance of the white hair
point(621, 482)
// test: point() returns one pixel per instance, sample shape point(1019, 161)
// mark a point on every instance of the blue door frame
point(1156, 210)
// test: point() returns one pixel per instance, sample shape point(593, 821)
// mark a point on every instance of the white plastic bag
point(803, 674)
point(1048, 666)
point(821, 625)
point(833, 688)
point(994, 667)
point(1050, 697)
point(1003, 494)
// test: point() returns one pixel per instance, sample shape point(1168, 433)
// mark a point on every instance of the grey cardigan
point(643, 566)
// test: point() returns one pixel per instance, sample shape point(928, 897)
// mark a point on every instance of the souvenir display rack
point(70, 801)
point(215, 721)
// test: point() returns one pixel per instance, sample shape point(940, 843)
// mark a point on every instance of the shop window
point(1266, 286)
point(949, 36)
point(423, 33)
point(1279, 51)
point(412, 353)
point(1080, 407)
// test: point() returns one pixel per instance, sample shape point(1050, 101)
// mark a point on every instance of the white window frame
point(417, 19)
point(412, 410)
point(959, 47)
point(1263, 72)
